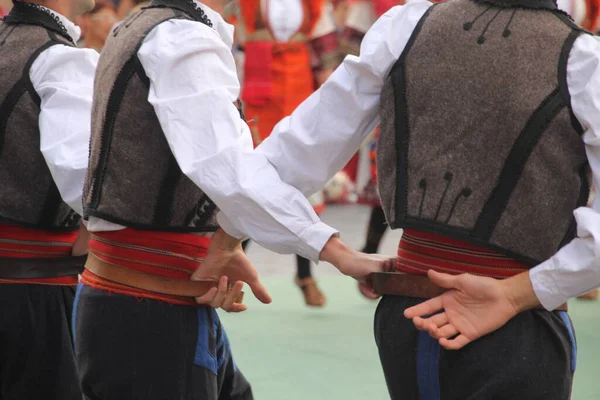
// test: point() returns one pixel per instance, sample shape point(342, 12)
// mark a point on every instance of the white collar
point(73, 30)
point(224, 30)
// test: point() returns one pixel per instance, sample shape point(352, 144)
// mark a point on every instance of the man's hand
point(80, 247)
point(473, 307)
point(354, 263)
point(226, 262)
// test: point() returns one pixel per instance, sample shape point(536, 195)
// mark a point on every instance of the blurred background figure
point(290, 48)
point(97, 24)
point(585, 13)
point(5, 6)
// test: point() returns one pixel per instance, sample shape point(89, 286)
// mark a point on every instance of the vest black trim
point(188, 7)
point(23, 86)
point(53, 198)
point(139, 69)
point(562, 76)
point(527, 4)
point(584, 194)
point(205, 207)
point(401, 123)
point(114, 103)
point(515, 163)
point(520, 152)
point(30, 14)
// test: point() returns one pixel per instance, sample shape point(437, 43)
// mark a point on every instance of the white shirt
point(63, 77)
point(317, 140)
point(284, 16)
point(193, 86)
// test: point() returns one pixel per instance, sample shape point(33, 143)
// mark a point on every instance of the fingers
point(367, 290)
point(439, 320)
point(221, 295)
point(389, 265)
point(446, 331)
point(455, 344)
point(207, 297)
point(229, 304)
point(260, 292)
point(424, 324)
point(443, 280)
point(431, 306)
point(216, 295)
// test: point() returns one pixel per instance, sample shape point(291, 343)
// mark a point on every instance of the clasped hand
point(472, 307)
point(229, 265)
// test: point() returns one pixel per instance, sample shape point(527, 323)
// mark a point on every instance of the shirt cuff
point(545, 286)
point(313, 240)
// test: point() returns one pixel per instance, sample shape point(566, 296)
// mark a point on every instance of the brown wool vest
point(478, 141)
point(28, 194)
point(133, 178)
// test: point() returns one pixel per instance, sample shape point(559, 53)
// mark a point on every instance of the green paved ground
point(290, 352)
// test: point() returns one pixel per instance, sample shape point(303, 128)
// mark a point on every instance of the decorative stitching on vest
point(189, 7)
point(466, 192)
point(515, 164)
point(549, 5)
point(127, 22)
point(423, 187)
point(34, 14)
point(12, 28)
point(481, 38)
point(204, 209)
point(506, 33)
point(448, 178)
point(401, 123)
point(467, 26)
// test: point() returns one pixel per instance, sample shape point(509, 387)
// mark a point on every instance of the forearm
point(335, 251)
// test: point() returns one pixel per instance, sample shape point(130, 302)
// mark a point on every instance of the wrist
point(224, 241)
point(335, 251)
point(519, 292)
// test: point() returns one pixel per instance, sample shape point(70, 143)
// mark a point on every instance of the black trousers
point(140, 349)
point(36, 351)
point(532, 357)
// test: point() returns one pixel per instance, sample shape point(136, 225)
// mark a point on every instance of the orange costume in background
point(279, 75)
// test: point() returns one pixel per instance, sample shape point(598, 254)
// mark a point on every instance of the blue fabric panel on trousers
point(204, 357)
point(74, 314)
point(565, 317)
point(428, 360)
point(223, 348)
